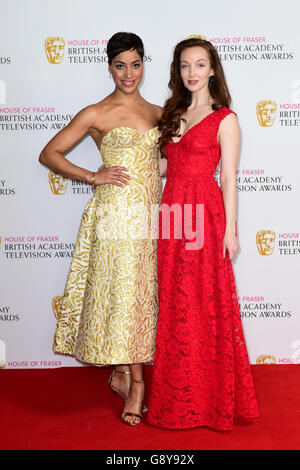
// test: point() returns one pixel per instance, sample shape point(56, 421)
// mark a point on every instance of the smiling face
point(195, 68)
point(127, 71)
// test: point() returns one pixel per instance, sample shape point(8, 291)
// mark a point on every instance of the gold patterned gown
point(109, 309)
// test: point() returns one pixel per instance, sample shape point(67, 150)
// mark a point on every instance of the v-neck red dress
point(201, 374)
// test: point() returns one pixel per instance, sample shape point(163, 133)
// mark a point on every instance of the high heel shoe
point(145, 409)
point(134, 415)
point(115, 389)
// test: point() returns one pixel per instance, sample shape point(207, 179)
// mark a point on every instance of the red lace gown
point(201, 374)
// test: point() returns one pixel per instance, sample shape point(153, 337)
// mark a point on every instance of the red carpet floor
point(72, 408)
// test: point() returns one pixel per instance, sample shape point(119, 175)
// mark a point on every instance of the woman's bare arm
point(53, 157)
point(229, 141)
point(163, 164)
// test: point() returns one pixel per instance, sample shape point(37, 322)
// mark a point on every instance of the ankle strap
point(138, 381)
point(122, 371)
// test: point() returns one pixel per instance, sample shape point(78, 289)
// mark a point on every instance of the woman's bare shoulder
point(156, 110)
point(96, 112)
point(100, 107)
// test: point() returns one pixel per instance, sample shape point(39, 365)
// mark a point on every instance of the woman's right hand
point(113, 175)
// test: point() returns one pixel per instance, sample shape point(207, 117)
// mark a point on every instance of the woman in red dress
point(201, 375)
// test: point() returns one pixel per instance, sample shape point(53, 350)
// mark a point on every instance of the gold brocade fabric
point(109, 309)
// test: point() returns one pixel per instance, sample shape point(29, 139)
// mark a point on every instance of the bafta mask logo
point(197, 36)
point(54, 48)
point(0, 242)
point(266, 112)
point(56, 302)
point(265, 242)
point(58, 184)
point(266, 360)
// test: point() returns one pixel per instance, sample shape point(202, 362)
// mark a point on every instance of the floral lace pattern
point(202, 375)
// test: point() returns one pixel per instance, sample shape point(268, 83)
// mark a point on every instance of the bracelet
point(92, 181)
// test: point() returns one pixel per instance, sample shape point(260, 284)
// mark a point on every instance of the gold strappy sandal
point(135, 415)
point(145, 409)
point(115, 389)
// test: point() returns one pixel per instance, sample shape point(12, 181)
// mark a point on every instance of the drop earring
point(211, 81)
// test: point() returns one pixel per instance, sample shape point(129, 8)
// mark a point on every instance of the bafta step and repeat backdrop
point(53, 63)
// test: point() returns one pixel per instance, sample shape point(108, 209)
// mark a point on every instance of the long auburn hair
point(180, 98)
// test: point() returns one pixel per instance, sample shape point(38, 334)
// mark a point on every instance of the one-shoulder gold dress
point(108, 312)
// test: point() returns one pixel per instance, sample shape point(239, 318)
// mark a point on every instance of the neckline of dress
point(127, 127)
point(197, 124)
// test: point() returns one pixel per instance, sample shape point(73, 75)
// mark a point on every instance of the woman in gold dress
point(109, 308)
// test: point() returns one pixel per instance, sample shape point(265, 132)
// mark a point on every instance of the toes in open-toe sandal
point(134, 415)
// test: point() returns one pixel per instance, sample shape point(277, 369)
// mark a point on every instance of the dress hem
point(215, 428)
point(149, 362)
